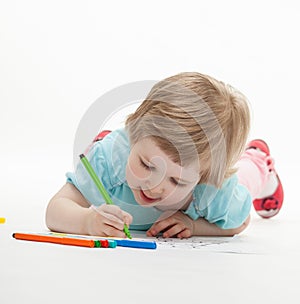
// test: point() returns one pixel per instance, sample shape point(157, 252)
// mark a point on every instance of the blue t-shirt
point(227, 207)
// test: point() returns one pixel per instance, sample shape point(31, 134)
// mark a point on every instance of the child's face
point(155, 179)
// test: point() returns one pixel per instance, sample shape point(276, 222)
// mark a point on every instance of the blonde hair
point(192, 116)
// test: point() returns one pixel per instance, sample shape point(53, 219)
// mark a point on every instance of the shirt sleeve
point(84, 183)
point(227, 207)
point(107, 159)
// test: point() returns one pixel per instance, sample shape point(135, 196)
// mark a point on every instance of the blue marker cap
point(112, 244)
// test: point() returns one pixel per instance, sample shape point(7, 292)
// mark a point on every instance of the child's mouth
point(146, 198)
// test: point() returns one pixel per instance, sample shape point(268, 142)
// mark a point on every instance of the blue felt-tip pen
point(137, 244)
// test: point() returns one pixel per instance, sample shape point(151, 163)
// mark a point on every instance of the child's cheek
point(135, 171)
point(180, 193)
point(133, 175)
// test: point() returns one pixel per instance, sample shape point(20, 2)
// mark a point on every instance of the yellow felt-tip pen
point(100, 187)
point(2, 220)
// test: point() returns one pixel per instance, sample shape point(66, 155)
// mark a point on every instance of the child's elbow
point(240, 229)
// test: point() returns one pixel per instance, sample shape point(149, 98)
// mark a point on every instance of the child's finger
point(112, 209)
point(113, 232)
point(114, 216)
point(113, 221)
point(184, 234)
point(127, 218)
point(172, 231)
point(158, 227)
point(118, 212)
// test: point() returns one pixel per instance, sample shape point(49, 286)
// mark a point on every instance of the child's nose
point(156, 188)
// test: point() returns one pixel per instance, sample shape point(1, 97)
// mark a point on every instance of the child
point(179, 167)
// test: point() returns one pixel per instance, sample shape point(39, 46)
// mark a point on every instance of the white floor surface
point(259, 266)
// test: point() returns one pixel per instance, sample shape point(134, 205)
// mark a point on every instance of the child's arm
point(68, 211)
point(182, 226)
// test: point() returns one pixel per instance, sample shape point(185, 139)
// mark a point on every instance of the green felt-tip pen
point(100, 187)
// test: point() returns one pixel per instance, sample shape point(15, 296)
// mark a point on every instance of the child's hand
point(179, 225)
point(107, 220)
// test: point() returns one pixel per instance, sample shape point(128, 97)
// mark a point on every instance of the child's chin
point(147, 205)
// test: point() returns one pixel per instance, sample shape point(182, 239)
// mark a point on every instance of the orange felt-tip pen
point(54, 239)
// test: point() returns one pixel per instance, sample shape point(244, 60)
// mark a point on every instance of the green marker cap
point(97, 244)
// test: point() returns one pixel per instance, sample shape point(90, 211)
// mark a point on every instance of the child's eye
point(176, 183)
point(147, 167)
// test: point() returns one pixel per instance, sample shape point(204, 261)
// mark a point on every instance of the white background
point(58, 57)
